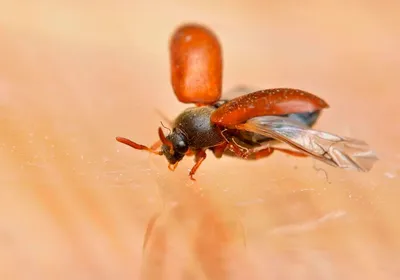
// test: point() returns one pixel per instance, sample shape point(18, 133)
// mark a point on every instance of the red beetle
point(248, 126)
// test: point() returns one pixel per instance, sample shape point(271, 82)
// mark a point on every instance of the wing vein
point(342, 152)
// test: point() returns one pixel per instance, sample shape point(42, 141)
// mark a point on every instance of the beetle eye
point(181, 147)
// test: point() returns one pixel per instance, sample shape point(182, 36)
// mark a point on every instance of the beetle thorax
point(195, 123)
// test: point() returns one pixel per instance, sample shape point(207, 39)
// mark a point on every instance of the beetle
point(250, 126)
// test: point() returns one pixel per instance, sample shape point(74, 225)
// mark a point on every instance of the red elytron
point(249, 126)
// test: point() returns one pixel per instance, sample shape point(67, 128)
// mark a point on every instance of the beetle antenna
point(137, 146)
point(164, 117)
point(169, 130)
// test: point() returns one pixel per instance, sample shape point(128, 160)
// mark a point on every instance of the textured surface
point(74, 203)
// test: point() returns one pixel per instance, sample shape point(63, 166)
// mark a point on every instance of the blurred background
point(75, 204)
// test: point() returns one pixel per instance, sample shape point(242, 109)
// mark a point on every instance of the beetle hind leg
point(258, 154)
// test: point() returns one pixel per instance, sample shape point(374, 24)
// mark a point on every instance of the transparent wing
point(342, 152)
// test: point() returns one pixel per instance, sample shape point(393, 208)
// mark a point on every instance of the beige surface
point(74, 203)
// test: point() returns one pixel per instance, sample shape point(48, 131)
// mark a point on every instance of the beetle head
point(174, 146)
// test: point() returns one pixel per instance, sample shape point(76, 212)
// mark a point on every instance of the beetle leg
point(137, 146)
point(252, 154)
point(220, 149)
point(237, 148)
point(172, 167)
point(234, 148)
point(190, 153)
point(200, 157)
point(232, 145)
point(291, 152)
point(165, 118)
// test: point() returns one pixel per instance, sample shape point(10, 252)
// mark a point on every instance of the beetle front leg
point(200, 157)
